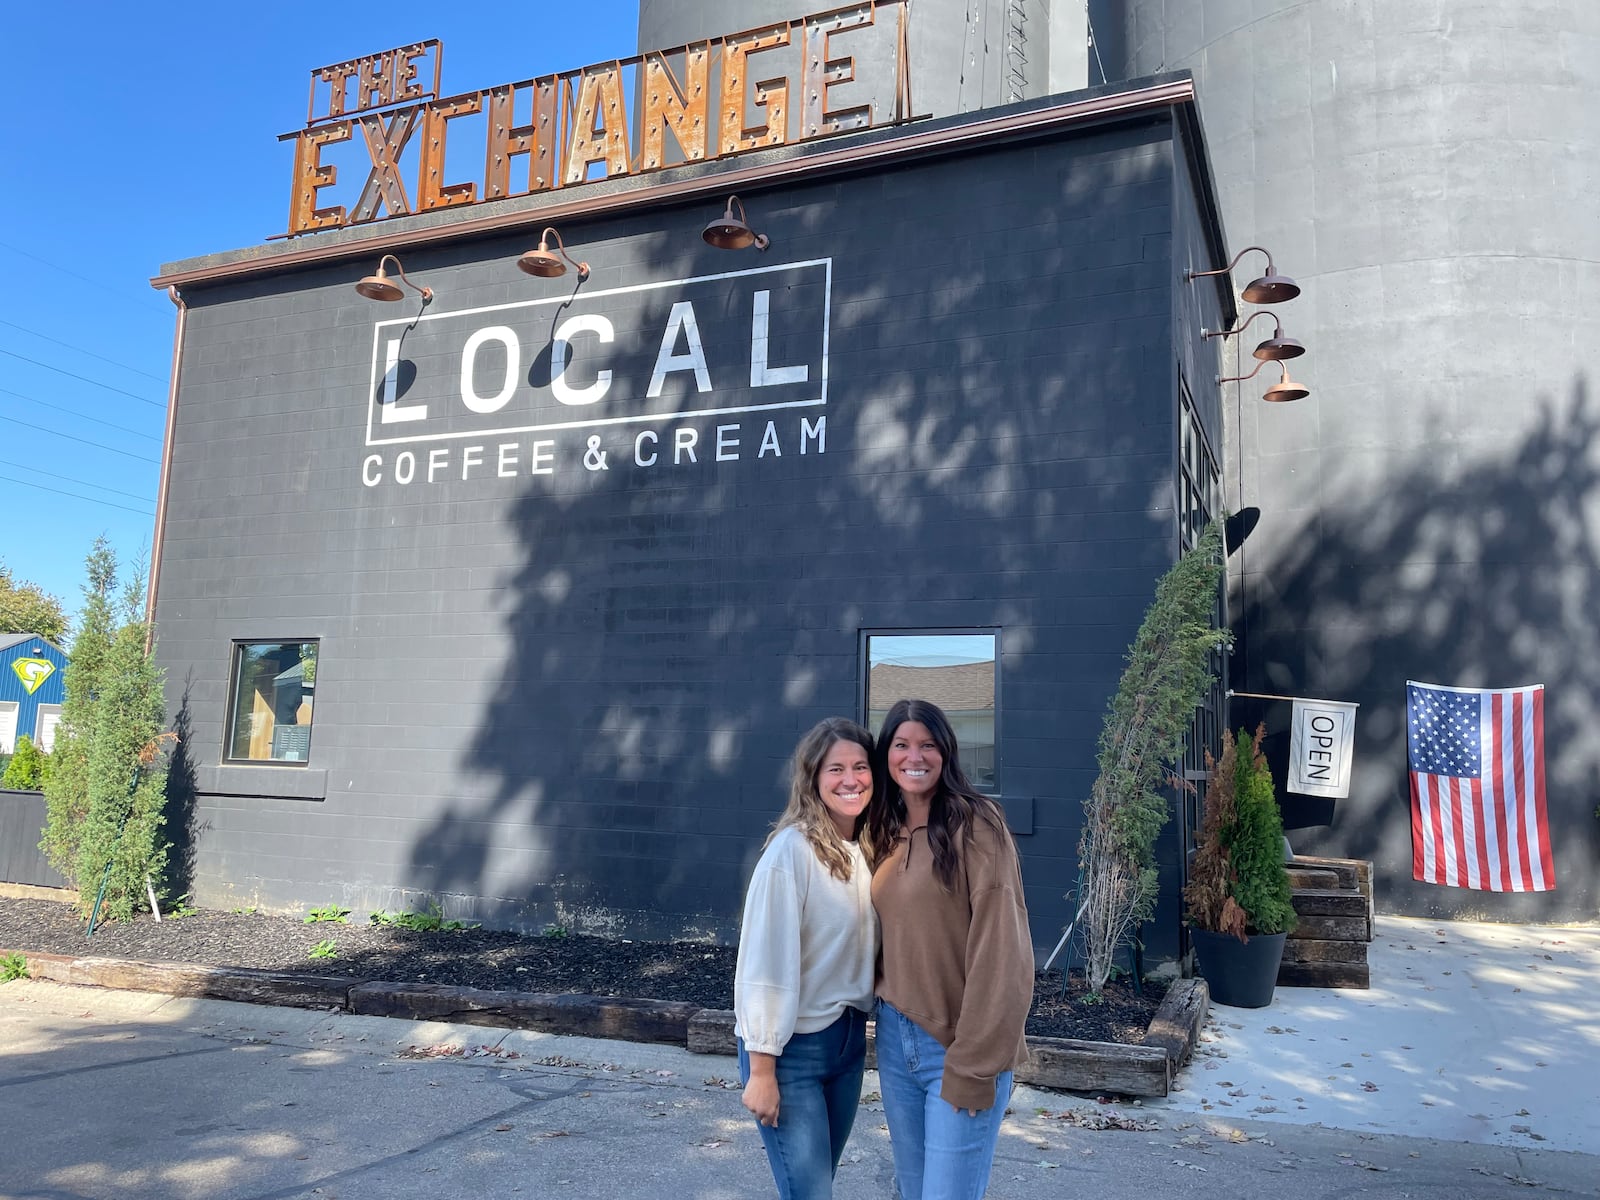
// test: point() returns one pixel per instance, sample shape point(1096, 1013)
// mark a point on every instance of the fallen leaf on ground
point(1097, 1119)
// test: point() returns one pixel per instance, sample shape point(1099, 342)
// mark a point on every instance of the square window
point(270, 715)
point(957, 672)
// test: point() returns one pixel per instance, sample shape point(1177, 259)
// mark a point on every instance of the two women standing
point(956, 977)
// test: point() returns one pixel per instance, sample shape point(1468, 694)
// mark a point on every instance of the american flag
point(1477, 788)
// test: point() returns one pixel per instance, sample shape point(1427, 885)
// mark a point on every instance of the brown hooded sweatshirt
point(959, 963)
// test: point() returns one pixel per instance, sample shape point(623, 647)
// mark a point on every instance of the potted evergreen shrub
point(1238, 897)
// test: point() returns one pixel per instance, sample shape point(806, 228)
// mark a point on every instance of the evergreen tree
point(105, 796)
point(1169, 669)
point(1261, 883)
point(1238, 884)
point(66, 795)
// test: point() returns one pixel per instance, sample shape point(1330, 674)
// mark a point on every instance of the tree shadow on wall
point(1481, 577)
point(182, 807)
point(998, 454)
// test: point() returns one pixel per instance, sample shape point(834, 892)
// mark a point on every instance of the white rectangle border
point(821, 399)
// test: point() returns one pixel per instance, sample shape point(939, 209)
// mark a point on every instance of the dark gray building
point(1427, 172)
point(518, 599)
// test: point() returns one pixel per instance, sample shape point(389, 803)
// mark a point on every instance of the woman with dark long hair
point(956, 972)
point(807, 947)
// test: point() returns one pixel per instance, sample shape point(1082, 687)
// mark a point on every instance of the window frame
point(236, 649)
point(864, 679)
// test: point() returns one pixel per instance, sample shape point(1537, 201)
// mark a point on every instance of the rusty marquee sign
point(627, 116)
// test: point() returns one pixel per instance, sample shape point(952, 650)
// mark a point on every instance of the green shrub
point(13, 966)
point(1238, 883)
point(28, 769)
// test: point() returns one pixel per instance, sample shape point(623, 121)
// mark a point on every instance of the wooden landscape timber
point(1065, 1064)
point(574, 1014)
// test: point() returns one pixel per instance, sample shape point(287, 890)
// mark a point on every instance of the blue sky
point(139, 136)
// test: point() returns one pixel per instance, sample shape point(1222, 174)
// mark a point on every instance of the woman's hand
point(761, 1098)
point(761, 1092)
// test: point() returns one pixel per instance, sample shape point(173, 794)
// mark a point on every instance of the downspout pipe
point(166, 469)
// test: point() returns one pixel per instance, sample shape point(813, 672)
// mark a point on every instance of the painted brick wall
point(569, 698)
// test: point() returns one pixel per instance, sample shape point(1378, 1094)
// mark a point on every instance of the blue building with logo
point(32, 687)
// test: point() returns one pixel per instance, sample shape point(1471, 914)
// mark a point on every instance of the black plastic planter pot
point(1239, 974)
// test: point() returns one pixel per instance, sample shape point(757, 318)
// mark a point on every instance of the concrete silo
point(1428, 172)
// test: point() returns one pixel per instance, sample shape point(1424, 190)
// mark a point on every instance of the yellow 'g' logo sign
point(33, 672)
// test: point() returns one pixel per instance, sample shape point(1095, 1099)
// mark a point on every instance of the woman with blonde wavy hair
point(807, 950)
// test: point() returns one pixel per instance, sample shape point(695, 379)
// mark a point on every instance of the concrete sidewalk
point(1470, 1032)
point(109, 1095)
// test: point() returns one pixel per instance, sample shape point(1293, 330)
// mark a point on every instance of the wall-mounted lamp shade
point(1270, 288)
point(1286, 389)
point(730, 232)
point(1274, 349)
point(551, 264)
point(381, 287)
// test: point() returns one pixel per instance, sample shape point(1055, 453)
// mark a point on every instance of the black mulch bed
point(691, 971)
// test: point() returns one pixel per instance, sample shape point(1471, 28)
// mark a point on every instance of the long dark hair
point(956, 804)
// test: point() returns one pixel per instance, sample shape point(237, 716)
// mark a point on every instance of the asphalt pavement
point(108, 1095)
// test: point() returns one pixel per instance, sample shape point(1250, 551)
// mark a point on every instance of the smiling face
point(914, 762)
point(844, 781)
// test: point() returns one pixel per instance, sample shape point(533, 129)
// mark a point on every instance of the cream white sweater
point(807, 947)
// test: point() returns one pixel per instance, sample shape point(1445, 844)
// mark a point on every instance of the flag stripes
point(1478, 817)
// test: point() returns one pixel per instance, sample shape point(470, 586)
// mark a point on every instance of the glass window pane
point(956, 671)
point(273, 686)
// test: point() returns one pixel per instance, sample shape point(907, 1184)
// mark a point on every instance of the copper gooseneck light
point(730, 232)
point(380, 287)
point(551, 264)
point(1285, 389)
point(1270, 288)
point(1274, 349)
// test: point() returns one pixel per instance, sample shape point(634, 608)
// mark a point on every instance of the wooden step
point(1324, 974)
point(1329, 902)
point(1313, 950)
point(1333, 929)
point(1344, 869)
point(1353, 872)
point(1312, 877)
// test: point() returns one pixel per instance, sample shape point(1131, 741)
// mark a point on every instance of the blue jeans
point(940, 1153)
point(819, 1089)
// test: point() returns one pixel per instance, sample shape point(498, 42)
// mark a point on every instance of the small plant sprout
point(328, 914)
point(324, 949)
point(13, 966)
point(425, 922)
